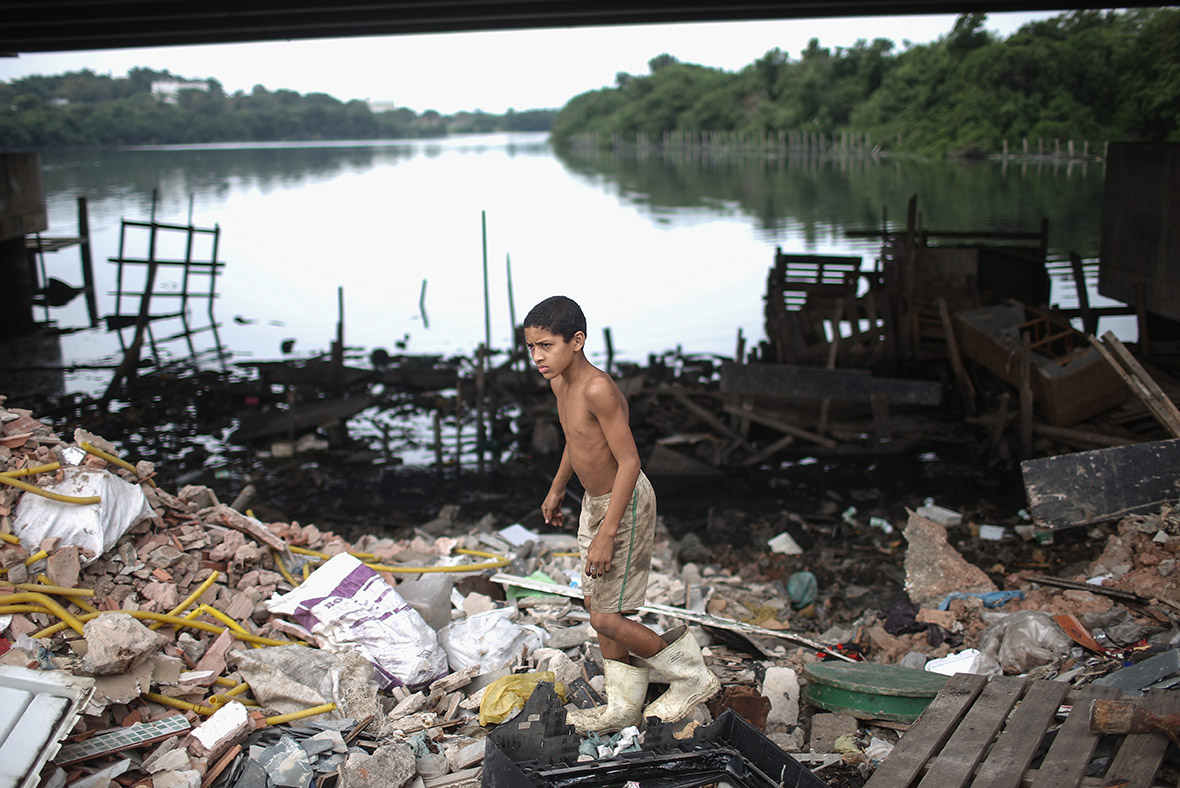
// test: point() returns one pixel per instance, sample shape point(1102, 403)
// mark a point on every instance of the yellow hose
point(49, 589)
point(193, 597)
point(222, 617)
point(5, 609)
point(283, 568)
point(298, 715)
point(10, 538)
point(178, 704)
point(219, 700)
point(67, 618)
point(50, 495)
point(496, 562)
point(72, 593)
point(53, 466)
point(35, 557)
point(115, 460)
point(145, 616)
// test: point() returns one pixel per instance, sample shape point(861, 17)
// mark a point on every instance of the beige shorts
point(624, 587)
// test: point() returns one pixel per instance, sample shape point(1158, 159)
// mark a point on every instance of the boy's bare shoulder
point(601, 388)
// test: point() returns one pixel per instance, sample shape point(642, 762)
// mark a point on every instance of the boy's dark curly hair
point(559, 315)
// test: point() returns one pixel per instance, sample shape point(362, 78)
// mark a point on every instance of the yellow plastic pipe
point(78, 499)
point(193, 597)
point(286, 573)
point(10, 538)
point(167, 619)
point(49, 589)
point(53, 466)
point(113, 459)
point(35, 557)
point(496, 562)
point(178, 704)
point(67, 618)
point(222, 617)
point(298, 715)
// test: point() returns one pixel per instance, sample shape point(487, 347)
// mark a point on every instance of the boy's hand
point(598, 557)
point(551, 509)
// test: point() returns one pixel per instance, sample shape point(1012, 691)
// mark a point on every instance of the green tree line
point(84, 108)
point(1093, 76)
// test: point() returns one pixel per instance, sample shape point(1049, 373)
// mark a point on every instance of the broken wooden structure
point(1012, 731)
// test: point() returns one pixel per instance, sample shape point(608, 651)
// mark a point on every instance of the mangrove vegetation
point(1085, 76)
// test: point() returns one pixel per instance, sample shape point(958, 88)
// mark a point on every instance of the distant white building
point(168, 90)
point(381, 106)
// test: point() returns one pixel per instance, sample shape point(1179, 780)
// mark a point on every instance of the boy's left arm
point(607, 405)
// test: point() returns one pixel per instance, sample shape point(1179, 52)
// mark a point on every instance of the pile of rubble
point(198, 646)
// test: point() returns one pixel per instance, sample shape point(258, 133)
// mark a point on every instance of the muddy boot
point(690, 680)
point(626, 689)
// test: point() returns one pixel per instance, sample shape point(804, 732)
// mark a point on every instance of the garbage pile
point(197, 646)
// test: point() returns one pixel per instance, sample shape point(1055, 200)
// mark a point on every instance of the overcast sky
point(493, 71)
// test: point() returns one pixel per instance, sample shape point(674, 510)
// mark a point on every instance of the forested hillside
point(84, 108)
point(1088, 76)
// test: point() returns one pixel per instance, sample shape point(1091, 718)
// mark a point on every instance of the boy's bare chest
point(576, 419)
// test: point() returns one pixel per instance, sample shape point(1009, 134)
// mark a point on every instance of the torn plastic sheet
point(93, 526)
point(352, 608)
point(491, 640)
point(293, 678)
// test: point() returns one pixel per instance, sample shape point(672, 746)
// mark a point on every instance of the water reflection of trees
point(813, 195)
point(119, 173)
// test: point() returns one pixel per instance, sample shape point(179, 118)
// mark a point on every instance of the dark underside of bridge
point(71, 25)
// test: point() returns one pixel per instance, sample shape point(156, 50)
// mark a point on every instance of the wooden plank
point(955, 764)
point(882, 424)
point(909, 756)
point(1026, 398)
point(966, 389)
point(1010, 758)
point(706, 415)
point(1102, 484)
point(1140, 756)
point(814, 383)
point(1089, 319)
point(769, 421)
point(1069, 755)
point(1145, 386)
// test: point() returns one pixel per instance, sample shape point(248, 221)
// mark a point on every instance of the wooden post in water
point(438, 438)
point(1089, 322)
point(482, 352)
point(610, 349)
point(512, 317)
point(87, 261)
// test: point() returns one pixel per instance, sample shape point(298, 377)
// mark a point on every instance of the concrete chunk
point(933, 568)
point(390, 766)
point(226, 727)
point(115, 642)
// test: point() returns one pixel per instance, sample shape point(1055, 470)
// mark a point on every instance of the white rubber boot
point(690, 680)
point(626, 689)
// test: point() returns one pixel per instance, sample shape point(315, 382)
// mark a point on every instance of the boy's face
point(550, 352)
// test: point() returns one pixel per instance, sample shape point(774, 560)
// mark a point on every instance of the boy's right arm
point(551, 506)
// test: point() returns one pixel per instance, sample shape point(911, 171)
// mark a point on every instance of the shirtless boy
point(615, 531)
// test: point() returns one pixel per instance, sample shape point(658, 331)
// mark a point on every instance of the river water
point(665, 252)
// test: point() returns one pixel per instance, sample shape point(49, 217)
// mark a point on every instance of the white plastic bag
point(93, 526)
point(351, 608)
point(491, 640)
point(1019, 642)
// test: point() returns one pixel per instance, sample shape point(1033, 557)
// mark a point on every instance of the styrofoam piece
point(38, 709)
point(516, 534)
point(992, 533)
point(786, 544)
point(938, 514)
point(953, 663)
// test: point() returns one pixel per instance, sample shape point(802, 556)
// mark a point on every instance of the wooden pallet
point(987, 734)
